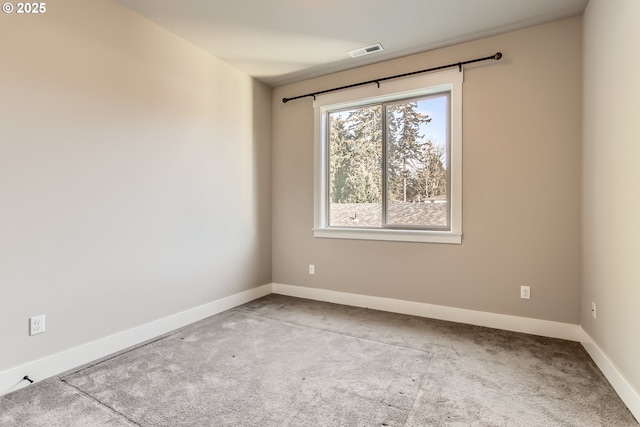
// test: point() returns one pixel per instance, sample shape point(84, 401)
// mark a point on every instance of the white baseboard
point(546, 328)
point(492, 320)
point(58, 363)
point(625, 390)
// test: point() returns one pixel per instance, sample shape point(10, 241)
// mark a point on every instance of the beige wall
point(134, 176)
point(135, 181)
point(611, 207)
point(521, 174)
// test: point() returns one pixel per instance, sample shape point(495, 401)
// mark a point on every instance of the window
point(388, 161)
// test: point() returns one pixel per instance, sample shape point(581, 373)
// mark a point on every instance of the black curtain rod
point(496, 56)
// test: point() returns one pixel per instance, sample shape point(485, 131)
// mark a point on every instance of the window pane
point(355, 167)
point(417, 162)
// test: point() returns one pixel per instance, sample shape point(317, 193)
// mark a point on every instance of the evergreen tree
point(339, 157)
point(356, 155)
point(405, 153)
point(432, 178)
point(415, 168)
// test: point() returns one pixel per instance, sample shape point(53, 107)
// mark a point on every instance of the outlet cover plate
point(36, 325)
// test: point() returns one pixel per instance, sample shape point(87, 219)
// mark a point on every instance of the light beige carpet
point(282, 361)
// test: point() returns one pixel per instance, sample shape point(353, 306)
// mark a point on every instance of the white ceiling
point(283, 41)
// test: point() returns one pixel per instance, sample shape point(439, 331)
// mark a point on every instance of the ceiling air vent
point(366, 50)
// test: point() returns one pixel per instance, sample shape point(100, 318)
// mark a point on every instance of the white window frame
point(445, 81)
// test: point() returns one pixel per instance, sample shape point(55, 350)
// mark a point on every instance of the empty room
point(305, 213)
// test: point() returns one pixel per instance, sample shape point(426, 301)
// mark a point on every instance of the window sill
point(390, 235)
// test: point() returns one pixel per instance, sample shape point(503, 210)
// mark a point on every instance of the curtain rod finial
point(285, 100)
point(497, 56)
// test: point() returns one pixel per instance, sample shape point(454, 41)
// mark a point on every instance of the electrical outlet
point(593, 309)
point(312, 269)
point(525, 292)
point(36, 325)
